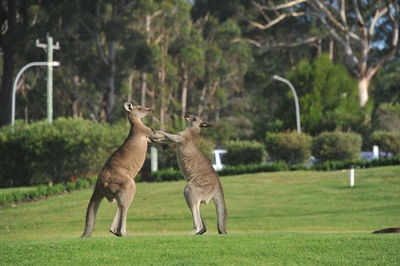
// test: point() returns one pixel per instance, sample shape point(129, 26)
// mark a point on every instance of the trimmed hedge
point(42, 153)
point(357, 163)
point(253, 168)
point(8, 196)
point(336, 146)
point(243, 152)
point(290, 147)
point(165, 175)
point(387, 141)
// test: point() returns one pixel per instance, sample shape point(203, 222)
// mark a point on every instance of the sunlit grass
point(274, 218)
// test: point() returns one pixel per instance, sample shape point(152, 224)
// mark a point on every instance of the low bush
point(42, 153)
point(253, 168)
point(13, 195)
point(165, 175)
point(243, 152)
point(387, 141)
point(387, 117)
point(336, 146)
point(291, 147)
point(357, 163)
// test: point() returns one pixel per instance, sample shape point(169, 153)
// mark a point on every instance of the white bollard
point(154, 158)
point(351, 177)
point(375, 152)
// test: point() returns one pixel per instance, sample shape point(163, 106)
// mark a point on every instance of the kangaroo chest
point(193, 163)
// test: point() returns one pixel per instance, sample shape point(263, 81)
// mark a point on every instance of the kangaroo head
point(136, 111)
point(196, 121)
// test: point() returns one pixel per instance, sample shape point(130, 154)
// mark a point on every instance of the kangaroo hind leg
point(113, 228)
point(193, 201)
point(124, 200)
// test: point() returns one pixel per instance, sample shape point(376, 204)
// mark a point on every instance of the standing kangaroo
point(115, 181)
point(202, 182)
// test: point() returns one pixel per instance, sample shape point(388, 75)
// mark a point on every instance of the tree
point(367, 31)
point(327, 95)
point(13, 31)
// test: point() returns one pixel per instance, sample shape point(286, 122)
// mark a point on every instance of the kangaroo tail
point(91, 212)
point(221, 211)
point(388, 230)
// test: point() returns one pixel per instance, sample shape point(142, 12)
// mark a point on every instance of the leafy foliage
point(290, 147)
point(387, 141)
point(356, 163)
point(13, 195)
point(253, 168)
point(387, 117)
point(41, 152)
point(244, 152)
point(336, 146)
point(327, 95)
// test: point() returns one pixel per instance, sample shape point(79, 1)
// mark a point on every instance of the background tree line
point(212, 58)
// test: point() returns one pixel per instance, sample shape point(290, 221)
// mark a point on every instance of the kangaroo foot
point(120, 233)
point(198, 232)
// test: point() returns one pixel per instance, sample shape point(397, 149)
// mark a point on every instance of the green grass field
point(302, 217)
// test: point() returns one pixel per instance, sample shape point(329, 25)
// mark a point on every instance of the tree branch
point(286, 5)
point(378, 14)
point(276, 45)
point(331, 17)
point(276, 20)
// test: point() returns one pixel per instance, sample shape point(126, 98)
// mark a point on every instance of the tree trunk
point(143, 89)
point(110, 98)
point(6, 85)
point(8, 49)
point(363, 84)
point(162, 98)
point(331, 47)
point(202, 102)
point(184, 90)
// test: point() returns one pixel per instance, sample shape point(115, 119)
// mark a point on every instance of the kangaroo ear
point(205, 124)
point(128, 107)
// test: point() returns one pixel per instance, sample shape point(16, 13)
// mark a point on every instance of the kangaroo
point(115, 181)
point(388, 230)
point(203, 183)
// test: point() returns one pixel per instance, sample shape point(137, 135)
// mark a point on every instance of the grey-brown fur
point(203, 183)
point(115, 181)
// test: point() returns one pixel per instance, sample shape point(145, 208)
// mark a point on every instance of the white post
point(154, 158)
point(351, 177)
point(375, 152)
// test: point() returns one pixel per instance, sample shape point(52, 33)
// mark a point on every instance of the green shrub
point(82, 183)
point(387, 141)
point(70, 186)
point(291, 147)
point(387, 117)
point(336, 146)
point(357, 163)
point(243, 152)
point(41, 153)
point(166, 175)
point(42, 190)
point(253, 168)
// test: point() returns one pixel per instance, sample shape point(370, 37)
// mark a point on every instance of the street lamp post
point(49, 47)
point(54, 63)
point(296, 100)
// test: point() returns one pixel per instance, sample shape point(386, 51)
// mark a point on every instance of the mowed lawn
point(302, 217)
